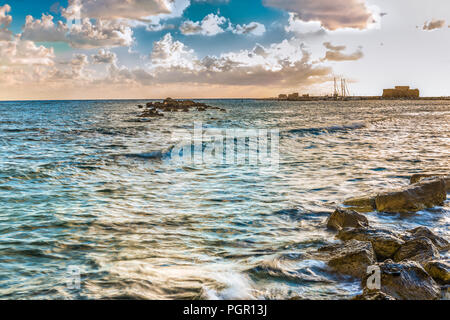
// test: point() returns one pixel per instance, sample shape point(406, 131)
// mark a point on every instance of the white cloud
point(298, 26)
point(102, 33)
point(332, 14)
point(5, 21)
point(129, 9)
point(44, 29)
point(281, 64)
point(253, 28)
point(214, 24)
point(24, 53)
point(168, 53)
point(211, 25)
point(87, 35)
point(105, 56)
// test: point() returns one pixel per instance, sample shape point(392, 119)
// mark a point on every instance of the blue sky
point(220, 48)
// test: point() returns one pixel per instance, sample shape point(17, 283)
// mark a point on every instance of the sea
point(93, 207)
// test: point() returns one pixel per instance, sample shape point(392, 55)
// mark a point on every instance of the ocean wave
point(327, 130)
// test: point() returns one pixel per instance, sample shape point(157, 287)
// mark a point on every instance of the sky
point(144, 49)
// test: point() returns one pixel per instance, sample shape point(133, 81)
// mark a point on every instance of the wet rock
point(171, 105)
point(406, 281)
point(361, 204)
point(151, 113)
point(439, 271)
point(385, 242)
point(422, 176)
point(420, 250)
point(350, 258)
point(140, 106)
point(346, 218)
point(425, 194)
point(373, 295)
point(440, 243)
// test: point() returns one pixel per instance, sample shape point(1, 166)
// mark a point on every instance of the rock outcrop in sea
point(157, 109)
point(426, 193)
point(409, 261)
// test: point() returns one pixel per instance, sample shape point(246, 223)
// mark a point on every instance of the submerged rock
point(419, 196)
point(406, 281)
point(346, 218)
point(439, 271)
point(350, 258)
point(440, 243)
point(361, 204)
point(385, 242)
point(419, 249)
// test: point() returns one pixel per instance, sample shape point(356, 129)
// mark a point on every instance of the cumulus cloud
point(211, 25)
point(334, 53)
point(44, 29)
point(253, 28)
point(298, 26)
point(5, 21)
point(116, 9)
point(102, 33)
point(86, 35)
point(104, 56)
point(332, 14)
point(433, 25)
point(214, 24)
point(281, 64)
point(170, 54)
point(22, 53)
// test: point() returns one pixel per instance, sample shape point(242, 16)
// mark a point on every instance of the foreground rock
point(361, 204)
point(439, 271)
point(171, 105)
point(406, 281)
point(373, 295)
point(341, 218)
point(419, 196)
point(422, 176)
point(440, 243)
point(385, 243)
point(350, 258)
point(420, 250)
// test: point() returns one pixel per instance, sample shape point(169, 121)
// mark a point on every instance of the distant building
point(283, 97)
point(401, 92)
point(293, 96)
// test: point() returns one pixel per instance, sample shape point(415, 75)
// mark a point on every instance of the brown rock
point(385, 243)
point(361, 204)
point(422, 176)
point(425, 194)
point(373, 295)
point(350, 258)
point(439, 242)
point(439, 270)
point(406, 281)
point(420, 250)
point(346, 218)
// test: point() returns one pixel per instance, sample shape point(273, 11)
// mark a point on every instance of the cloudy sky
point(94, 49)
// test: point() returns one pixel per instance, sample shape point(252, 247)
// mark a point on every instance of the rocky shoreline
point(409, 262)
point(157, 109)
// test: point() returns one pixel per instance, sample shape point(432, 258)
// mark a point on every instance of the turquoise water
point(80, 185)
